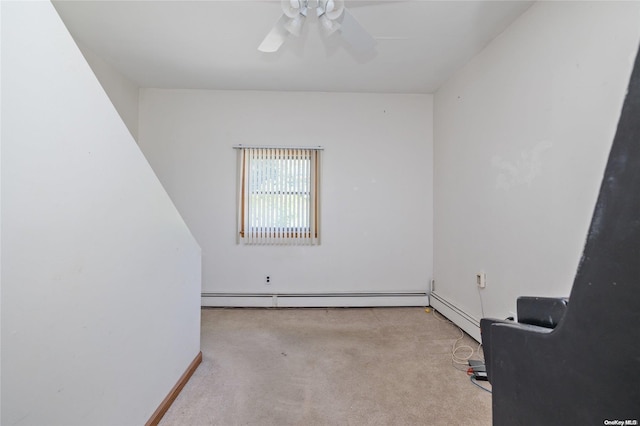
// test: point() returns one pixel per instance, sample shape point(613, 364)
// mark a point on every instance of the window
point(278, 195)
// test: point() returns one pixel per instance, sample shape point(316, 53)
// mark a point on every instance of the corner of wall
point(123, 93)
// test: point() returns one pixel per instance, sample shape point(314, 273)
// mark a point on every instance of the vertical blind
point(278, 196)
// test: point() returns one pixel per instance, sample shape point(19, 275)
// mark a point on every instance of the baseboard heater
point(314, 300)
point(459, 317)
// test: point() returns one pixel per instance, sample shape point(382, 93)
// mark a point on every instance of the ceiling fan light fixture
point(303, 8)
point(293, 8)
point(334, 9)
point(329, 5)
point(331, 14)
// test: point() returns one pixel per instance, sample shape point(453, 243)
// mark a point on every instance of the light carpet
point(360, 366)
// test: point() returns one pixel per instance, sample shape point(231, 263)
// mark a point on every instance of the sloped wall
point(123, 93)
point(100, 275)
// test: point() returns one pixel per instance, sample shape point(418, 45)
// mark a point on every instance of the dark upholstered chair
point(540, 311)
point(584, 370)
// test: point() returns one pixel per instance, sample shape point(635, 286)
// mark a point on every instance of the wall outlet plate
point(481, 279)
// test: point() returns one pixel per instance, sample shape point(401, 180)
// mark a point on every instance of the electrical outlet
point(267, 279)
point(481, 279)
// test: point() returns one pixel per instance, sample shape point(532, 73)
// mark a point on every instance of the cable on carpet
point(458, 361)
point(455, 358)
point(473, 380)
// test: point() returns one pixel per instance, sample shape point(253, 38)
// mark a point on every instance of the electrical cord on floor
point(473, 380)
point(455, 358)
point(462, 360)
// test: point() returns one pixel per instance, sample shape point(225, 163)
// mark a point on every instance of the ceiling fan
point(332, 16)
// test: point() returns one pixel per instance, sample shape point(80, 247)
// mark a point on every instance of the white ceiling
point(213, 44)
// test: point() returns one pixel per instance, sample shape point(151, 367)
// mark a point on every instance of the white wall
point(123, 92)
point(0, 224)
point(377, 184)
point(522, 134)
point(100, 275)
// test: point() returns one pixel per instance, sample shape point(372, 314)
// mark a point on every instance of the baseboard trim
point(173, 394)
point(458, 316)
point(301, 300)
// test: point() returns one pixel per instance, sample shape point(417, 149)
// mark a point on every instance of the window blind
point(279, 196)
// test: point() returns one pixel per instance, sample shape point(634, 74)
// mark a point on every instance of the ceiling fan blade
point(355, 34)
point(291, 8)
point(276, 36)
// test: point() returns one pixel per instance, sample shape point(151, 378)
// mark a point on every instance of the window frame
point(274, 235)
